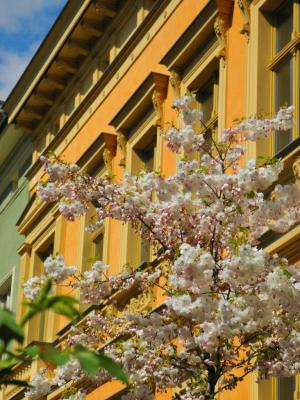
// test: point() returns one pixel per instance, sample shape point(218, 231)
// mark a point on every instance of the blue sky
point(23, 25)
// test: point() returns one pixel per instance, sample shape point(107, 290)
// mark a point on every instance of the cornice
point(45, 54)
point(191, 41)
point(102, 149)
point(33, 213)
point(214, 19)
point(151, 93)
point(49, 75)
point(120, 60)
point(141, 99)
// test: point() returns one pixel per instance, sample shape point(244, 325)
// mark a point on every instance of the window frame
point(34, 268)
point(198, 77)
point(7, 281)
point(138, 133)
point(289, 51)
point(86, 247)
point(277, 387)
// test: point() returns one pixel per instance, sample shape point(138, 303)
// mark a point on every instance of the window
point(143, 158)
point(44, 251)
point(98, 247)
point(285, 64)
point(283, 97)
point(6, 192)
point(93, 244)
point(205, 86)
point(5, 294)
point(24, 167)
point(207, 99)
point(286, 388)
point(284, 24)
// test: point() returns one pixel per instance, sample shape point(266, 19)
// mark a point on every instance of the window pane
point(9, 188)
point(47, 252)
point(25, 166)
point(98, 247)
point(145, 251)
point(284, 97)
point(286, 388)
point(147, 156)
point(5, 294)
point(205, 98)
point(284, 24)
point(144, 153)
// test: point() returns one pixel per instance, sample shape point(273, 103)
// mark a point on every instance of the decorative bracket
point(158, 96)
point(122, 143)
point(296, 171)
point(109, 150)
point(222, 23)
point(148, 96)
point(244, 6)
point(220, 31)
point(175, 80)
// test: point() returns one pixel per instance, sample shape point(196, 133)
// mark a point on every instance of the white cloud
point(22, 22)
point(12, 66)
point(14, 12)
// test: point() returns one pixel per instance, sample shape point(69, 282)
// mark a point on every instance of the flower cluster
point(227, 303)
point(55, 268)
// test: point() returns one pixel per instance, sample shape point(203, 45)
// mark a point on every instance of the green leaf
point(88, 359)
point(243, 229)
point(112, 367)
point(55, 356)
point(251, 195)
point(92, 361)
point(32, 351)
point(64, 308)
point(29, 315)
point(50, 353)
point(287, 273)
point(45, 290)
point(40, 304)
point(64, 305)
point(7, 364)
point(66, 299)
point(9, 329)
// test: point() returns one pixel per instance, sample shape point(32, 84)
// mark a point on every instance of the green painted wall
point(13, 182)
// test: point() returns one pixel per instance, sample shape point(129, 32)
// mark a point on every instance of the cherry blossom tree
point(230, 308)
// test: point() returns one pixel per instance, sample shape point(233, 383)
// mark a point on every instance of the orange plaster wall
point(235, 108)
point(71, 235)
point(147, 62)
point(236, 77)
point(98, 122)
point(242, 392)
point(105, 391)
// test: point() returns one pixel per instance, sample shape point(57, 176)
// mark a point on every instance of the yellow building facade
point(99, 92)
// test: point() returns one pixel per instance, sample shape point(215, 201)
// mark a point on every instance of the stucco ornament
point(226, 304)
point(122, 143)
point(296, 171)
